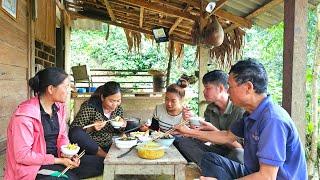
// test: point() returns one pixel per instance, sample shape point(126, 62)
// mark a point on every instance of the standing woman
point(103, 105)
point(37, 130)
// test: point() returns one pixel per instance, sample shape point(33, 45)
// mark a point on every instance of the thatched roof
point(178, 16)
point(181, 16)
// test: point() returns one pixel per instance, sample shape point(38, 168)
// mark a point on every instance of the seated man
point(272, 147)
point(219, 114)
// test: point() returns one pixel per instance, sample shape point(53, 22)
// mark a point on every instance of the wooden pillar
point(67, 64)
point(294, 62)
point(203, 66)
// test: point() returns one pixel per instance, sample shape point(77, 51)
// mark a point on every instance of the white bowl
point(195, 121)
point(69, 152)
point(117, 124)
point(144, 138)
point(125, 144)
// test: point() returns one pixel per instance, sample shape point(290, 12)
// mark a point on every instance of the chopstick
point(67, 168)
point(184, 122)
point(93, 124)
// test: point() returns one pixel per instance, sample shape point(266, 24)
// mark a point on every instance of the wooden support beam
point(178, 21)
point(175, 25)
point(256, 13)
point(145, 31)
point(193, 3)
point(141, 16)
point(294, 62)
point(233, 18)
point(109, 9)
point(155, 7)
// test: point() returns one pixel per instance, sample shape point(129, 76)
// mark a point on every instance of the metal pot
point(133, 123)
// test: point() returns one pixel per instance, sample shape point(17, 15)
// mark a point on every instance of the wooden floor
point(192, 172)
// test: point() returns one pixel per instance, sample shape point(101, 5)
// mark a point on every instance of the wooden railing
point(130, 80)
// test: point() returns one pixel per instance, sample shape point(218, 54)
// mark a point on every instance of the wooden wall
point(13, 64)
point(45, 25)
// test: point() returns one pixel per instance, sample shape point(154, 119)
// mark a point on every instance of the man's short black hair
point(216, 77)
point(250, 70)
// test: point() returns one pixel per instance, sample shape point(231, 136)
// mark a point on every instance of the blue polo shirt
point(270, 137)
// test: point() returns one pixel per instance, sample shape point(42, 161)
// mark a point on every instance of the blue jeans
point(83, 139)
point(214, 165)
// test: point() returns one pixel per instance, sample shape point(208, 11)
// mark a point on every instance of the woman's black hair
point(108, 89)
point(177, 89)
point(50, 76)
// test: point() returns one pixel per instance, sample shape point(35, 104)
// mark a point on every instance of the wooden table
point(172, 163)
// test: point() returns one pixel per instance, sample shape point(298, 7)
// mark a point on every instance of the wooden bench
point(171, 164)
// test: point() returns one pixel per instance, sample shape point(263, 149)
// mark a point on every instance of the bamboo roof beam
point(234, 19)
point(141, 30)
point(117, 10)
point(193, 3)
point(178, 20)
point(141, 16)
point(175, 25)
point(223, 14)
point(109, 9)
point(165, 10)
point(256, 13)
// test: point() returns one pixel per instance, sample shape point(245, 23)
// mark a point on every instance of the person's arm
point(207, 126)
point(85, 116)
point(266, 172)
point(24, 133)
point(233, 145)
point(63, 133)
point(216, 137)
point(68, 162)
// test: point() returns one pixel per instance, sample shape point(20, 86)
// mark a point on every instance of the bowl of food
point(117, 122)
point(142, 136)
point(150, 150)
point(125, 142)
point(166, 141)
point(195, 121)
point(70, 149)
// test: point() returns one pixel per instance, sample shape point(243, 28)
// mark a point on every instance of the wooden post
point(294, 62)
point(67, 64)
point(203, 66)
point(31, 45)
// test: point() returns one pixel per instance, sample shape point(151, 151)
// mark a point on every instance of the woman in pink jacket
point(37, 130)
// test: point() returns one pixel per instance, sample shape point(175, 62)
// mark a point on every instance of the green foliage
point(91, 48)
point(266, 45)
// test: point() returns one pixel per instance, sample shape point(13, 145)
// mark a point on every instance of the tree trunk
point(312, 161)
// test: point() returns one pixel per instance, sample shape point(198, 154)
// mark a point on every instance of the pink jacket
point(26, 146)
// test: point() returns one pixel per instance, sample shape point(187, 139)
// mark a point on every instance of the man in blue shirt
point(272, 147)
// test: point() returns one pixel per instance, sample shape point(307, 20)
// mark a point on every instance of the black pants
point(84, 141)
point(90, 166)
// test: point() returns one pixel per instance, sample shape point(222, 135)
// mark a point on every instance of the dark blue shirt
point(270, 137)
point(51, 129)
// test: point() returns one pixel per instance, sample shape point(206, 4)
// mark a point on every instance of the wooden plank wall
point(45, 25)
point(13, 64)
